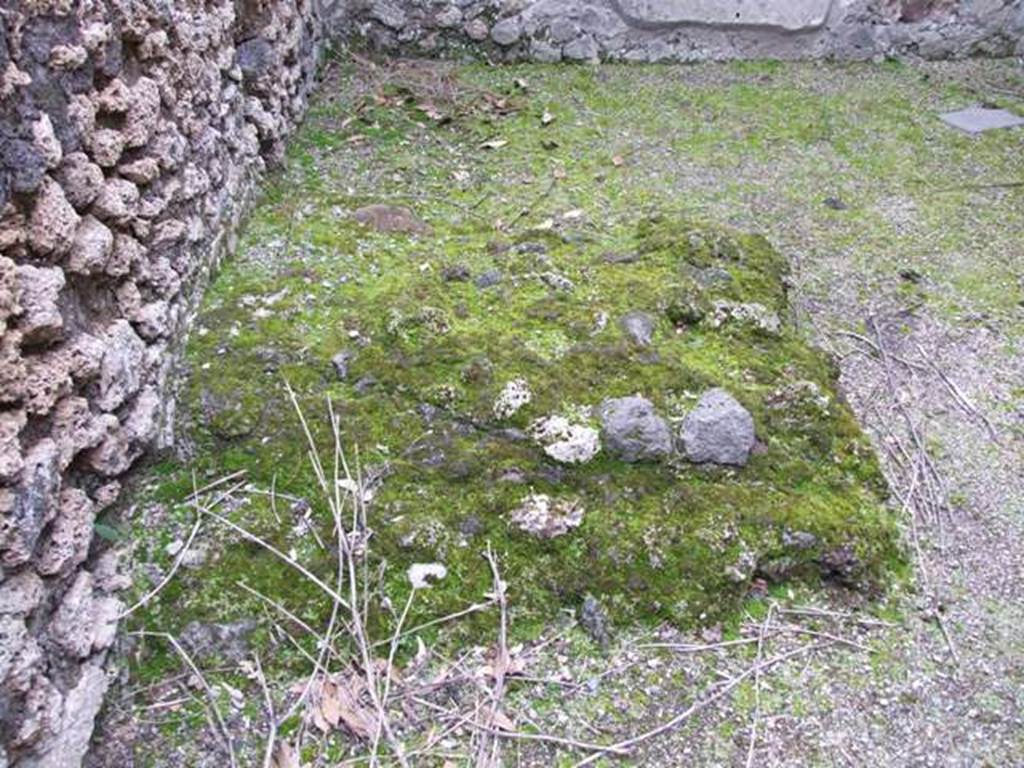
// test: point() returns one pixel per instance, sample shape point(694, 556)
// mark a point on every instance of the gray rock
point(340, 362)
point(562, 30)
point(81, 706)
point(476, 30)
point(455, 273)
point(73, 624)
point(507, 31)
point(595, 621)
point(11, 461)
point(34, 503)
point(117, 201)
point(799, 539)
point(255, 58)
point(27, 166)
point(365, 384)
point(583, 48)
point(638, 327)
point(67, 543)
point(718, 430)
point(388, 13)
point(488, 279)
point(121, 368)
point(632, 431)
point(544, 52)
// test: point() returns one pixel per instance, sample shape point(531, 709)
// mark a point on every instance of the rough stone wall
point(131, 134)
point(692, 30)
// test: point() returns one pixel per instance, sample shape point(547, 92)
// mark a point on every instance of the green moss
point(546, 210)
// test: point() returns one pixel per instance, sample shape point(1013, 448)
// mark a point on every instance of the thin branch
point(628, 744)
point(202, 681)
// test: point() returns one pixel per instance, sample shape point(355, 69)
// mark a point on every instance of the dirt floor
point(906, 244)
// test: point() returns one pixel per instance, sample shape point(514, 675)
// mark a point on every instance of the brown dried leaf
point(341, 705)
point(501, 721)
point(383, 668)
point(285, 756)
point(330, 704)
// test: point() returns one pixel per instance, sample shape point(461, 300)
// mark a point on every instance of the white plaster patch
point(514, 396)
point(542, 516)
point(785, 14)
point(565, 441)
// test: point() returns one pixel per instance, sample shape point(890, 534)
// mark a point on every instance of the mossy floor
point(591, 193)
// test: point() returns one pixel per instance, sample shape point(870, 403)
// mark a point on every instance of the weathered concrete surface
point(787, 14)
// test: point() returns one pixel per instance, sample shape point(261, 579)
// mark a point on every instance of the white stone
point(565, 441)
point(784, 14)
point(422, 575)
point(540, 515)
point(752, 314)
point(513, 397)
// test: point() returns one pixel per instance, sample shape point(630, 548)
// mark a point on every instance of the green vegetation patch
point(529, 274)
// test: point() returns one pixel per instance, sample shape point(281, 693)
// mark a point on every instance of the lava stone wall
point(692, 30)
point(131, 135)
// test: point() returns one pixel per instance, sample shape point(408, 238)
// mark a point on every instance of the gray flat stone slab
point(977, 119)
point(784, 14)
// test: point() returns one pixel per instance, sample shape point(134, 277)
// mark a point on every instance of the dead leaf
point(547, 118)
point(617, 161)
point(559, 173)
point(341, 705)
point(501, 721)
point(330, 705)
point(516, 666)
point(383, 668)
point(493, 144)
point(521, 84)
point(497, 102)
point(285, 756)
